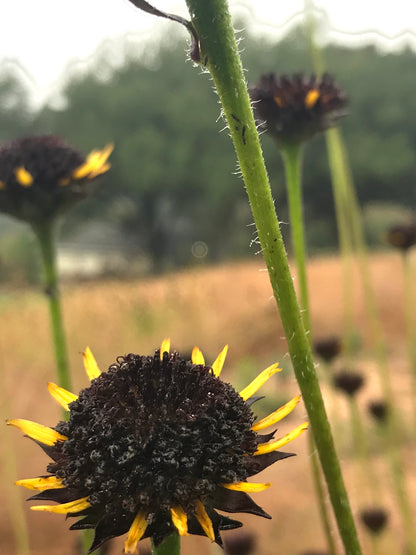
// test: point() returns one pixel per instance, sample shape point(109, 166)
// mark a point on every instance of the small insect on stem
point(236, 118)
point(243, 134)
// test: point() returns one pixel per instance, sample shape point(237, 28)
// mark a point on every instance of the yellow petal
point(259, 381)
point(95, 164)
point(180, 520)
point(204, 520)
point(137, 529)
point(90, 364)
point(63, 396)
point(219, 362)
point(40, 484)
point(274, 445)
point(2, 185)
point(279, 101)
point(23, 176)
point(197, 357)
point(36, 431)
point(311, 98)
point(64, 508)
point(276, 416)
point(164, 348)
point(247, 487)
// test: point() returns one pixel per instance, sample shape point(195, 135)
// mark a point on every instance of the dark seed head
point(374, 519)
point(240, 543)
point(348, 381)
point(402, 236)
point(328, 347)
point(379, 410)
point(293, 109)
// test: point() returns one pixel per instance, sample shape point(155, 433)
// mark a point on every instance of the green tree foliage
point(174, 179)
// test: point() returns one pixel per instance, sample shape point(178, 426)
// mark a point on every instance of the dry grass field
point(208, 307)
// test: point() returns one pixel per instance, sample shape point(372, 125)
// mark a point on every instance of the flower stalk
point(46, 237)
point(219, 53)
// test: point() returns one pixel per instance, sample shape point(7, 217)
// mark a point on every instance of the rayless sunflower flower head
point(402, 236)
point(294, 109)
point(155, 446)
point(41, 177)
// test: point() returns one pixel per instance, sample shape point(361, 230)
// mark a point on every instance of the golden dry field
point(209, 307)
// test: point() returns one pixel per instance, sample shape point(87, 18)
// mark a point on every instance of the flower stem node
point(153, 447)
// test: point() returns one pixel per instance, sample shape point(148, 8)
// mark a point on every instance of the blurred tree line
point(174, 181)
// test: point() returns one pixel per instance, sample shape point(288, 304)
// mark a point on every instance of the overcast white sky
point(44, 35)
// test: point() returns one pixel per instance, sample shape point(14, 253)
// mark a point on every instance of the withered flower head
point(328, 347)
point(402, 236)
point(41, 177)
point(154, 446)
point(374, 518)
point(379, 410)
point(348, 381)
point(293, 109)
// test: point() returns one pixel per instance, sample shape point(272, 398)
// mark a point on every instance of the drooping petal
point(24, 177)
point(90, 364)
point(274, 445)
point(95, 164)
point(36, 431)
point(237, 502)
point(164, 348)
point(61, 395)
point(180, 520)
point(40, 484)
point(247, 487)
point(137, 529)
point(65, 508)
point(276, 416)
point(219, 362)
point(256, 384)
point(204, 520)
point(197, 356)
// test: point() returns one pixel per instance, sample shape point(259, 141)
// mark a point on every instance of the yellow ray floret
point(279, 101)
point(137, 529)
point(264, 448)
point(219, 362)
point(63, 396)
point(40, 484)
point(276, 416)
point(180, 520)
point(95, 164)
point(311, 98)
point(90, 364)
point(247, 487)
point(256, 384)
point(164, 348)
point(197, 357)
point(36, 431)
point(204, 520)
point(2, 185)
point(23, 176)
point(64, 508)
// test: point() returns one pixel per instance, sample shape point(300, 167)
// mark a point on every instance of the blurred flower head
point(293, 109)
point(155, 446)
point(328, 348)
point(374, 519)
point(402, 236)
point(348, 381)
point(42, 177)
point(379, 410)
point(240, 543)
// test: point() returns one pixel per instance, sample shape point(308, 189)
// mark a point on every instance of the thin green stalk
point(292, 158)
point(170, 546)
point(409, 311)
point(46, 237)
point(219, 53)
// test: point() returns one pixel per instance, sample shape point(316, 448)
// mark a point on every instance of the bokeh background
point(167, 247)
